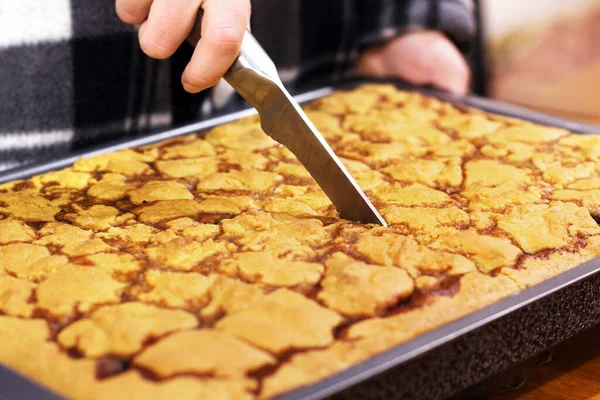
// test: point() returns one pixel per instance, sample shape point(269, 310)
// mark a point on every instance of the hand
point(165, 24)
point(425, 57)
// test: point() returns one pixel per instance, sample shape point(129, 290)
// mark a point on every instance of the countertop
point(572, 373)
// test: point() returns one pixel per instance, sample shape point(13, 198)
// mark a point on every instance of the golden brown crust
point(122, 329)
point(215, 268)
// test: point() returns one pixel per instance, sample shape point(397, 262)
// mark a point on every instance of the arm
point(417, 40)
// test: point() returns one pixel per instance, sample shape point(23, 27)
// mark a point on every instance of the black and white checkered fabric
point(72, 75)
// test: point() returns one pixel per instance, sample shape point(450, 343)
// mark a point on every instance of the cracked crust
point(213, 267)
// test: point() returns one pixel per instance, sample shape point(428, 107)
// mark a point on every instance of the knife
point(254, 76)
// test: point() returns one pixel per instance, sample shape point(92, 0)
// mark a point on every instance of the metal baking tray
point(475, 356)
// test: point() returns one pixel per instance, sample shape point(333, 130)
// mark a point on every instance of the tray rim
point(403, 352)
point(444, 334)
point(484, 104)
point(29, 170)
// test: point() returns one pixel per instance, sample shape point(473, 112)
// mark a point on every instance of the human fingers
point(223, 27)
point(169, 22)
point(425, 57)
point(133, 12)
point(448, 69)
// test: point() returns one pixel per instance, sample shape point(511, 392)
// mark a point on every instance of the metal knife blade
point(254, 76)
point(294, 130)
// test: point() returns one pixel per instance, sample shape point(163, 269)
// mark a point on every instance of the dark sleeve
point(380, 20)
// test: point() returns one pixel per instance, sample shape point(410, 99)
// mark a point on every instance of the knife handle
point(252, 56)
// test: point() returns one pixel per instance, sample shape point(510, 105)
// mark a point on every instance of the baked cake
point(213, 267)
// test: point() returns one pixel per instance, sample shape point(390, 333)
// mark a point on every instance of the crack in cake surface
point(149, 270)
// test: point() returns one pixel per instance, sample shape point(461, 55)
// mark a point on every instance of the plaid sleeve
point(380, 20)
point(73, 75)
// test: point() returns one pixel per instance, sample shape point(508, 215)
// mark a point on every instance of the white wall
point(502, 16)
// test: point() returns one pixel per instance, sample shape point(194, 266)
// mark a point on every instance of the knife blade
point(254, 76)
point(295, 131)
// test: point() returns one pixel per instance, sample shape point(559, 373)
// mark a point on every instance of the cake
point(212, 266)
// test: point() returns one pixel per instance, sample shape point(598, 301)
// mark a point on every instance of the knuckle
point(227, 40)
point(153, 48)
point(197, 82)
point(127, 13)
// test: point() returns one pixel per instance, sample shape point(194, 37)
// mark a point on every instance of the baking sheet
point(440, 363)
point(472, 101)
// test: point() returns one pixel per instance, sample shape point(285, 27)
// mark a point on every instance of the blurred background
point(544, 54)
